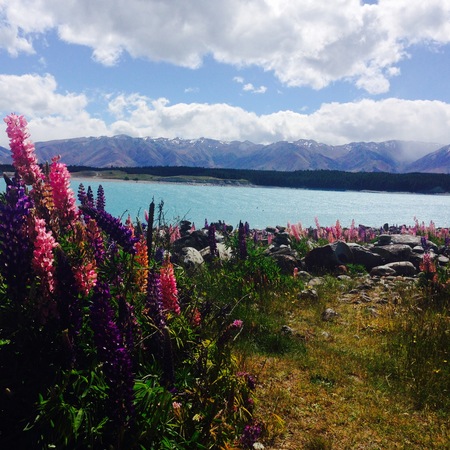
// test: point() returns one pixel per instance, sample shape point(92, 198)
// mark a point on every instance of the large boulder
point(400, 268)
point(224, 253)
point(198, 239)
point(365, 257)
point(393, 252)
point(329, 256)
point(286, 262)
point(189, 258)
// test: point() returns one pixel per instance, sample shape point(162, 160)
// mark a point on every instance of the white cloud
point(250, 88)
point(54, 115)
point(51, 115)
point(304, 42)
point(37, 96)
point(333, 123)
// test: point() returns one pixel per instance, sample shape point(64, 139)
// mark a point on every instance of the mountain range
point(126, 151)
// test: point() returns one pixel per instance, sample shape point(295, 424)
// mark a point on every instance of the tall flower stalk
point(63, 196)
point(15, 246)
point(115, 357)
point(22, 149)
point(169, 288)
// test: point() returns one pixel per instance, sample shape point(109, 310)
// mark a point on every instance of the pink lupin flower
point(63, 196)
point(22, 149)
point(43, 258)
point(86, 277)
point(169, 289)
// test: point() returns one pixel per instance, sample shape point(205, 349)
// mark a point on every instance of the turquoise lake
point(263, 206)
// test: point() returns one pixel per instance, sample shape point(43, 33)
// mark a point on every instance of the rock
point(393, 252)
point(329, 256)
point(316, 281)
point(308, 294)
point(287, 330)
point(443, 260)
point(282, 239)
point(365, 257)
point(198, 239)
point(403, 268)
point(416, 259)
point(223, 253)
point(344, 278)
point(329, 314)
point(382, 271)
point(406, 239)
point(286, 262)
point(304, 276)
point(384, 239)
point(189, 258)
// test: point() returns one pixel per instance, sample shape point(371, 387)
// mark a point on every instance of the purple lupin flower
point(159, 255)
point(251, 434)
point(425, 245)
point(160, 344)
point(242, 242)
point(153, 303)
point(127, 323)
point(16, 250)
point(113, 227)
point(95, 239)
point(212, 240)
point(68, 303)
point(82, 196)
point(247, 228)
point(101, 200)
point(90, 196)
point(115, 357)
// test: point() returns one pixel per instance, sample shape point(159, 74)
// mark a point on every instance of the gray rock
point(308, 294)
point(286, 262)
point(303, 275)
point(384, 239)
point(287, 330)
point(282, 239)
point(398, 268)
point(406, 239)
point(329, 256)
point(403, 268)
point(316, 281)
point(382, 271)
point(190, 258)
point(329, 314)
point(443, 260)
point(393, 252)
point(197, 239)
point(365, 257)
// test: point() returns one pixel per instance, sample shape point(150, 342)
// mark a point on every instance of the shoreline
point(232, 183)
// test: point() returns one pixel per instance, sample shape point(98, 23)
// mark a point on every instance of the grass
point(375, 377)
point(116, 174)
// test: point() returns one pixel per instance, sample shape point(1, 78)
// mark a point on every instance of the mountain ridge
point(392, 156)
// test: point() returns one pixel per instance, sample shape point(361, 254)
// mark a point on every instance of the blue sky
point(264, 71)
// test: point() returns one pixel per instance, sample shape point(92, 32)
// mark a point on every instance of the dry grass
point(344, 392)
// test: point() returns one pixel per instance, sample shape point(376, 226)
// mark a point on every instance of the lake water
point(263, 206)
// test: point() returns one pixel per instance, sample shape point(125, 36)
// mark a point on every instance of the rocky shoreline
point(392, 255)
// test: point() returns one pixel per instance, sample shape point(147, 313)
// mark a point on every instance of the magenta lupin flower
point(63, 196)
point(43, 258)
point(22, 149)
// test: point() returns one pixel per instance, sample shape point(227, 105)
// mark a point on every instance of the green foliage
point(356, 269)
point(422, 347)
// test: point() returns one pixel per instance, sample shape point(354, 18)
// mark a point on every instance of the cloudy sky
point(335, 71)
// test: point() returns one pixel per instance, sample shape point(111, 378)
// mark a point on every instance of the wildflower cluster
point(100, 346)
